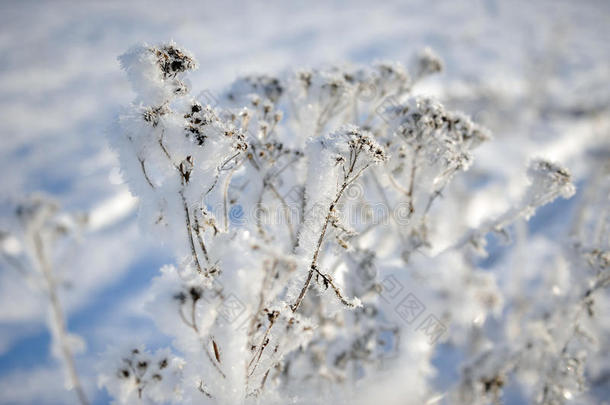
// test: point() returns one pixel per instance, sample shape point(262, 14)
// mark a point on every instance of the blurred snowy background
point(535, 73)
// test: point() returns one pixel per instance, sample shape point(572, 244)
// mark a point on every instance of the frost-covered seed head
point(360, 140)
point(388, 78)
point(548, 176)
point(428, 62)
point(153, 115)
point(173, 60)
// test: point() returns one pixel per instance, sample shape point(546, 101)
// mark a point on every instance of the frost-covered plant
point(549, 334)
point(31, 250)
point(323, 180)
point(143, 375)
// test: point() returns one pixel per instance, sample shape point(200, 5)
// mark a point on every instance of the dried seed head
point(173, 60)
point(351, 139)
point(195, 293)
point(547, 176)
point(162, 364)
point(180, 297)
point(428, 63)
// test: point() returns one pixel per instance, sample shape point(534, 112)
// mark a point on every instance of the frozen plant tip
point(428, 63)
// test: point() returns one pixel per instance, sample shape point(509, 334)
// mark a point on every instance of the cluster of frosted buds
point(192, 293)
point(36, 211)
point(267, 86)
point(265, 117)
point(598, 259)
point(462, 129)
point(328, 88)
point(138, 366)
point(142, 374)
point(550, 177)
point(428, 63)
point(334, 88)
point(202, 122)
point(359, 140)
point(548, 181)
point(198, 118)
point(40, 214)
point(153, 115)
point(420, 117)
point(388, 78)
point(273, 151)
point(156, 71)
point(350, 142)
point(172, 60)
point(450, 136)
point(333, 83)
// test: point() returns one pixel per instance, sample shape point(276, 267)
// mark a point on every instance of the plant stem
point(347, 181)
point(58, 318)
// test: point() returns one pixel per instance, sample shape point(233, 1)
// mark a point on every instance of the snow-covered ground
point(525, 69)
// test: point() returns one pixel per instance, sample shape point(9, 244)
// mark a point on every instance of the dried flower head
point(262, 85)
point(351, 143)
point(173, 60)
point(428, 62)
point(548, 177)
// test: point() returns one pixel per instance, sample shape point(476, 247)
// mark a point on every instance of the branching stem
point(58, 318)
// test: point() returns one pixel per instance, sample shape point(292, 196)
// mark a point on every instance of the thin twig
point(328, 280)
point(187, 216)
point(226, 196)
point(312, 267)
point(412, 179)
point(200, 238)
point(145, 174)
point(189, 231)
point(58, 318)
point(183, 317)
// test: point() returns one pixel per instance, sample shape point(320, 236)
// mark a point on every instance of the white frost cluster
point(303, 210)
